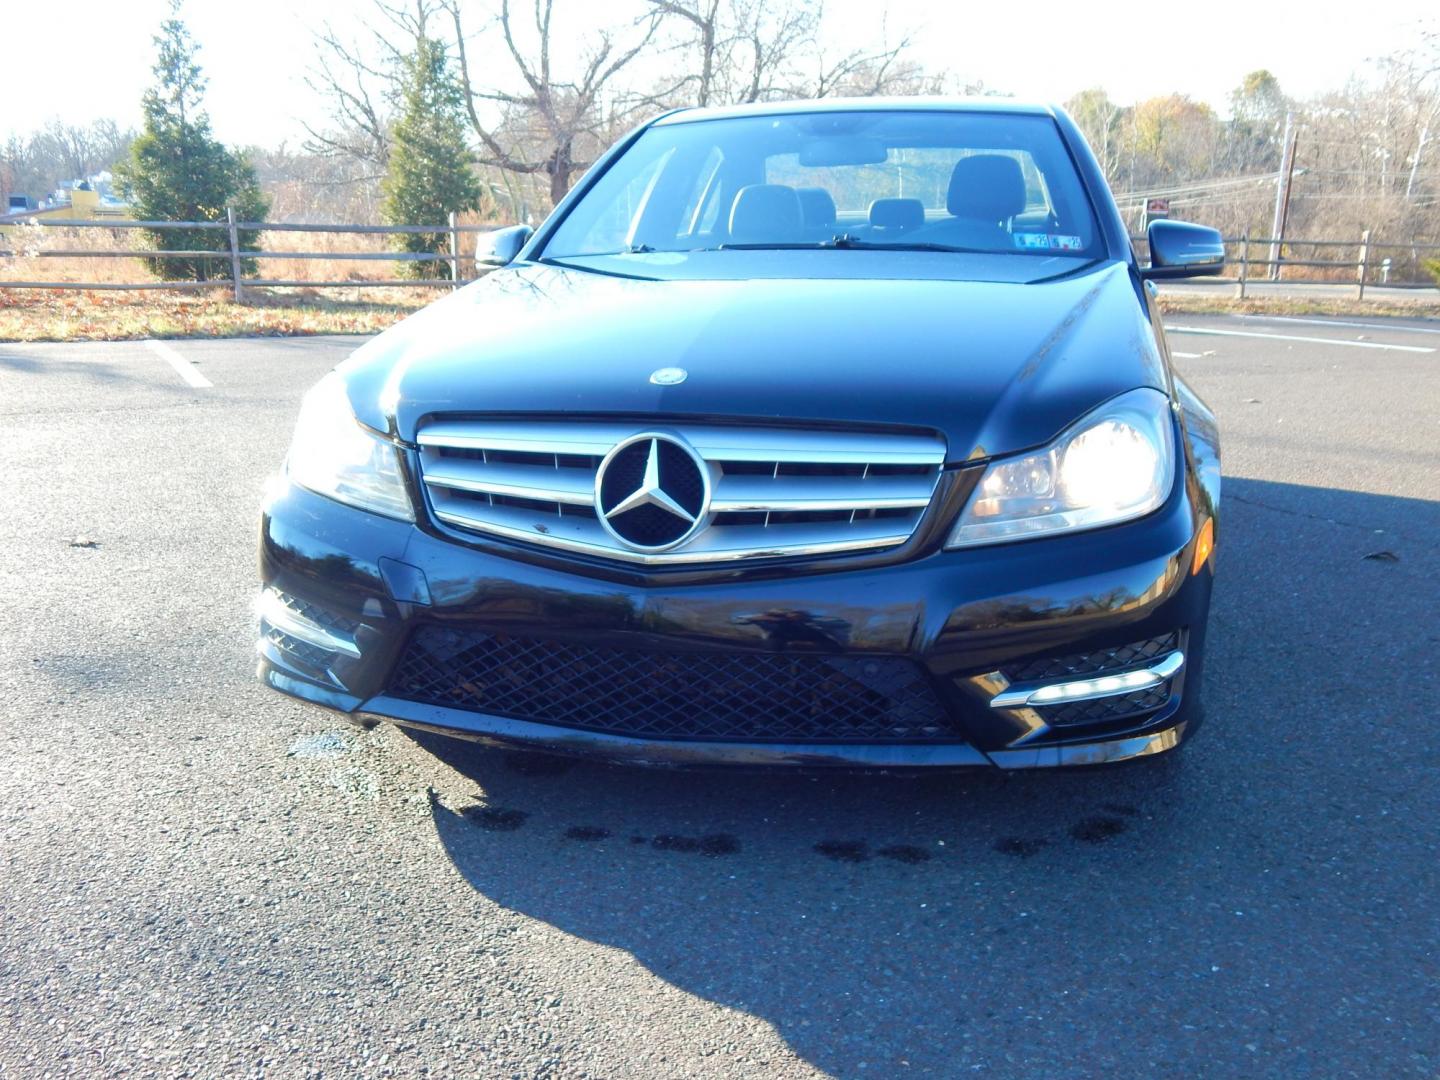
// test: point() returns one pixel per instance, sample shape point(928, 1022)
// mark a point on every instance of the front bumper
point(359, 590)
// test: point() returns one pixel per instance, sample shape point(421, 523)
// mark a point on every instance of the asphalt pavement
point(201, 878)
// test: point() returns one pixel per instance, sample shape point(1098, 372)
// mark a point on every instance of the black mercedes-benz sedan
point(831, 433)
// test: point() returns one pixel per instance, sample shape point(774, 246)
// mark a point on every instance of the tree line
point(530, 124)
point(1365, 155)
point(431, 108)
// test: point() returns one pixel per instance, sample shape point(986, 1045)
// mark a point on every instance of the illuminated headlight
point(333, 455)
point(1115, 464)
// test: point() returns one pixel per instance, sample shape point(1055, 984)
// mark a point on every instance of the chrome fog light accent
point(271, 607)
point(1061, 693)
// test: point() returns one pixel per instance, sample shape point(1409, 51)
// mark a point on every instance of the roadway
point(201, 878)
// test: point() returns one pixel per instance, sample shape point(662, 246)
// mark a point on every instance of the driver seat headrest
point(986, 187)
point(765, 212)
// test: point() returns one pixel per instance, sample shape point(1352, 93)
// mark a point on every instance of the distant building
point(92, 199)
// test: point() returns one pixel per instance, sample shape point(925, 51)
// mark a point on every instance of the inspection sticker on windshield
point(1046, 241)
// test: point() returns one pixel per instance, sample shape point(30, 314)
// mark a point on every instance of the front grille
point(1080, 665)
point(1104, 710)
point(754, 697)
point(775, 492)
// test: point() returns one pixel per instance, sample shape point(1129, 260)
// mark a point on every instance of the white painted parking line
point(1186, 355)
point(1291, 337)
point(184, 368)
point(1394, 329)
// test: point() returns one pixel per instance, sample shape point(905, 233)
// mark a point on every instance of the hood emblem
point(669, 376)
point(652, 492)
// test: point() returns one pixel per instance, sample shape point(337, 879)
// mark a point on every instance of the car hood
point(994, 366)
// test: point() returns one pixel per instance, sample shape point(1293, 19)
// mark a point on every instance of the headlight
point(333, 455)
point(1117, 463)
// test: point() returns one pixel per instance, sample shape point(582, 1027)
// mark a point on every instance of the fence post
point(1363, 265)
point(234, 254)
point(454, 253)
point(1244, 262)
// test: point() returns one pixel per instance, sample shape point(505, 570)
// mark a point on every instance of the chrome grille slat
point(550, 484)
point(776, 492)
point(780, 493)
point(785, 446)
point(720, 544)
point(712, 442)
point(524, 437)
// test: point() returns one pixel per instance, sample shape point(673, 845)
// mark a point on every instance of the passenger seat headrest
point(986, 187)
point(897, 213)
point(765, 212)
point(817, 208)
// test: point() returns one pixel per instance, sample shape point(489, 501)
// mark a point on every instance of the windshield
point(925, 181)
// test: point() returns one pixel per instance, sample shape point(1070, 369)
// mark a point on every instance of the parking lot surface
point(202, 878)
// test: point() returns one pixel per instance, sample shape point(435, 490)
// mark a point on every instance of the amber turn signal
point(1204, 545)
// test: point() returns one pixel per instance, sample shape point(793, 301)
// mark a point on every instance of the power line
point(1197, 186)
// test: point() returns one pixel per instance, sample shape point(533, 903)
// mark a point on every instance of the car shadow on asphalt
point(827, 905)
point(887, 924)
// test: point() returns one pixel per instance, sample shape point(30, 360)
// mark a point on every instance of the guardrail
point(236, 255)
point(1360, 271)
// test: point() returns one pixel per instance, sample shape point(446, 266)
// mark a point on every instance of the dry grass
point(65, 315)
point(74, 315)
point(1424, 305)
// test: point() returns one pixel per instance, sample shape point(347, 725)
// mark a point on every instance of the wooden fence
point(1367, 267)
point(235, 255)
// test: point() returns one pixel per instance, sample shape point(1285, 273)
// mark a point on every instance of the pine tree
point(177, 171)
point(429, 174)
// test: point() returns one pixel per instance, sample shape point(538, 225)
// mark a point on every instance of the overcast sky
point(96, 61)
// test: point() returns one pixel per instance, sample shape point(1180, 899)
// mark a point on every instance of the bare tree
point(703, 18)
point(1099, 119)
point(750, 50)
point(554, 106)
point(359, 78)
point(565, 110)
point(358, 120)
point(768, 39)
point(35, 164)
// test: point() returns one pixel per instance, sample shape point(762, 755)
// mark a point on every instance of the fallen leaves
point(65, 315)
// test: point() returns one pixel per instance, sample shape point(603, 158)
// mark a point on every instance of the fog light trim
point(1102, 686)
point(271, 607)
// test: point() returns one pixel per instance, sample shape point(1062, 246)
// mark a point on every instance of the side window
point(1037, 196)
point(611, 231)
point(702, 205)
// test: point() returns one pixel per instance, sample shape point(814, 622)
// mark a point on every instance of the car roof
point(863, 104)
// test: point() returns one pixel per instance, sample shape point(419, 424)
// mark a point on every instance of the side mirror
point(500, 247)
point(1180, 250)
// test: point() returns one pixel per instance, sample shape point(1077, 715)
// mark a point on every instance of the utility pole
point(1282, 196)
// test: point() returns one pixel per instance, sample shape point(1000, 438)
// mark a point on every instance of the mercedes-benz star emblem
point(669, 376)
point(652, 492)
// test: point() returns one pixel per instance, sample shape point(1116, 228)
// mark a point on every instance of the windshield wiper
point(846, 242)
point(592, 269)
point(633, 249)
